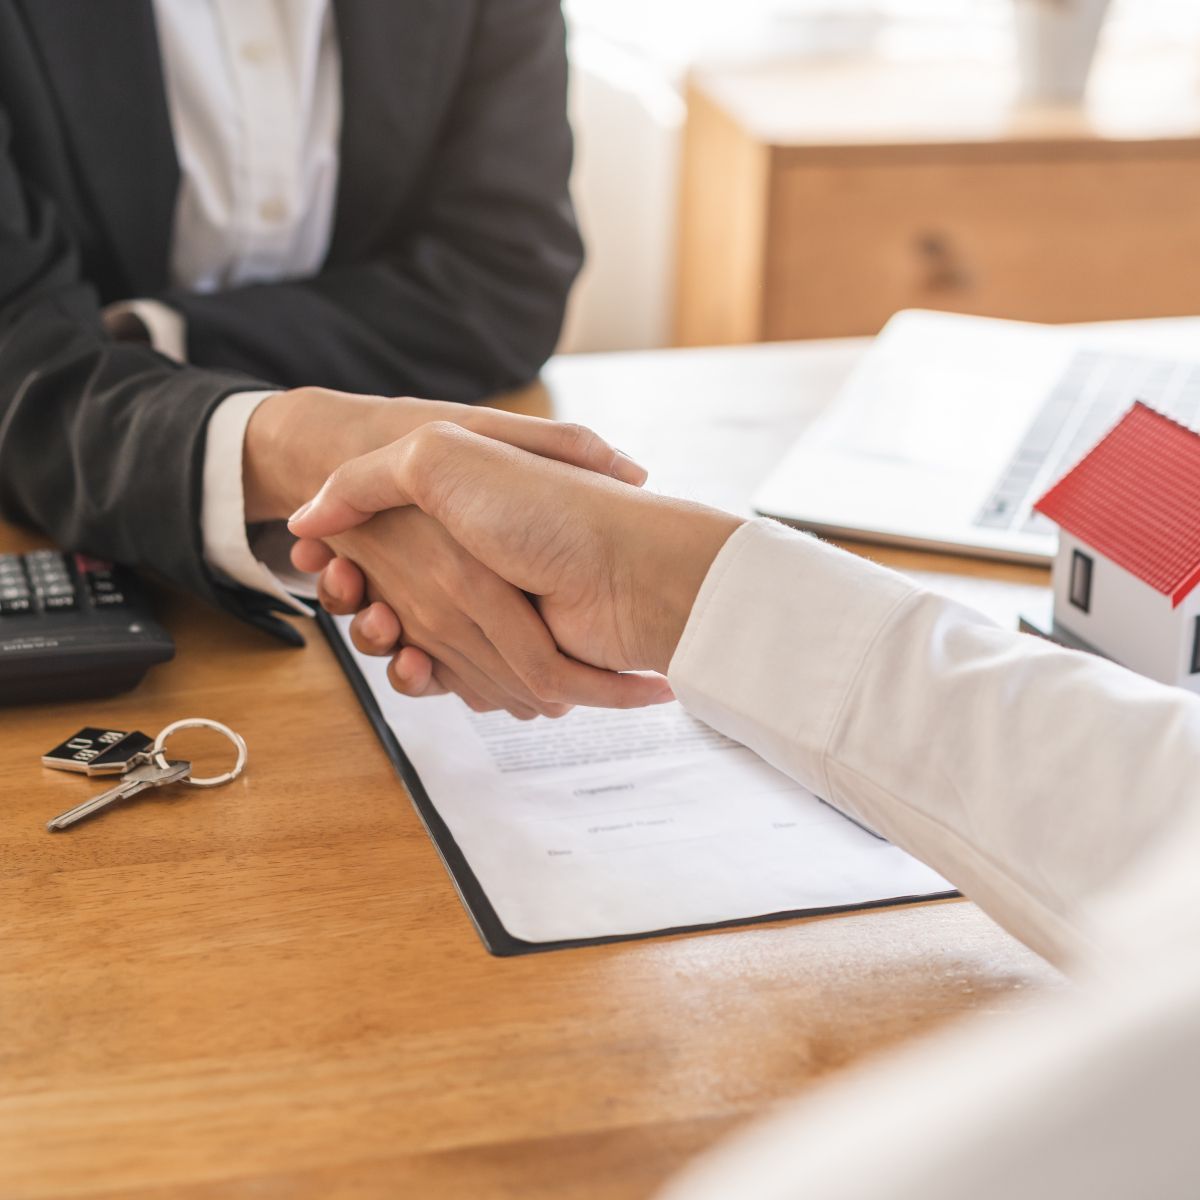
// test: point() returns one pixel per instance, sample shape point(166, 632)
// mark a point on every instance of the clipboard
point(496, 939)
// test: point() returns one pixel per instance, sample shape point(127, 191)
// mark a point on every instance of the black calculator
point(73, 627)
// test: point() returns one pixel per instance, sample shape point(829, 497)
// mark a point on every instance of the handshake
point(512, 560)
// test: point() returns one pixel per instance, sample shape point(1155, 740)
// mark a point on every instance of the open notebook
point(609, 825)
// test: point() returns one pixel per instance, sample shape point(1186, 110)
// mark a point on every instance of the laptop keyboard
point(1094, 392)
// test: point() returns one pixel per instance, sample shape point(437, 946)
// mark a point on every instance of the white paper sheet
point(606, 823)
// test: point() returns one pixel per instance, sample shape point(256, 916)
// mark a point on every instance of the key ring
point(160, 758)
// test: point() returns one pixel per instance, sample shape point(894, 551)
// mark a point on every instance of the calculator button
point(85, 564)
point(16, 606)
point(108, 599)
point(59, 603)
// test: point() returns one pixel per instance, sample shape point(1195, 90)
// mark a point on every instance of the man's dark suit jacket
point(452, 252)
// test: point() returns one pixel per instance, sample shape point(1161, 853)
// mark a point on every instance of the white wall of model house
point(1127, 620)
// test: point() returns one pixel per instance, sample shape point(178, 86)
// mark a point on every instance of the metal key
point(140, 779)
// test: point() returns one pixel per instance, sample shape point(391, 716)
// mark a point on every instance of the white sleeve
point(1034, 778)
point(227, 548)
point(165, 326)
point(1056, 789)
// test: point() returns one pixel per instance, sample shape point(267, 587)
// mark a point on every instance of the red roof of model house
point(1136, 499)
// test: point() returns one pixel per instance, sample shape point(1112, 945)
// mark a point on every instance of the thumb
point(354, 493)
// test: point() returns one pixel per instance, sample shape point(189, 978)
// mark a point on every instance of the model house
point(1127, 575)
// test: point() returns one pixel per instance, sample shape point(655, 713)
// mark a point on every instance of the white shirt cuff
point(773, 601)
point(227, 549)
point(166, 327)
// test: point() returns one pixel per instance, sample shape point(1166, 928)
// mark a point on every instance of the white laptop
point(952, 426)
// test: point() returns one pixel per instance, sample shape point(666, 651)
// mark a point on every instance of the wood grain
point(1069, 238)
point(817, 200)
point(271, 989)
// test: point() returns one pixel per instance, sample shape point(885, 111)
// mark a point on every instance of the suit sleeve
point(101, 441)
point(468, 298)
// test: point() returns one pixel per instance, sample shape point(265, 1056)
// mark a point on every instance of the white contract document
point(610, 823)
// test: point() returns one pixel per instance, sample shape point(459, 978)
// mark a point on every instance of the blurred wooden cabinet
point(816, 201)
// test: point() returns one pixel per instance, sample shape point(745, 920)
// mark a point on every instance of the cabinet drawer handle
point(945, 269)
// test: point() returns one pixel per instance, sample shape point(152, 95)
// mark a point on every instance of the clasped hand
point(516, 579)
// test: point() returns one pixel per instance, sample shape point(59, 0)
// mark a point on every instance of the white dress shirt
point(1058, 791)
point(254, 95)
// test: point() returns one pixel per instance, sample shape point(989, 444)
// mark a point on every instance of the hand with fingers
point(295, 438)
point(448, 623)
point(613, 570)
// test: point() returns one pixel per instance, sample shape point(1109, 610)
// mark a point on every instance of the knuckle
point(420, 437)
point(436, 434)
point(543, 680)
point(375, 643)
point(332, 604)
point(423, 458)
point(337, 478)
point(412, 455)
point(398, 684)
point(578, 438)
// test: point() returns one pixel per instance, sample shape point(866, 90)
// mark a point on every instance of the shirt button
point(273, 210)
point(255, 52)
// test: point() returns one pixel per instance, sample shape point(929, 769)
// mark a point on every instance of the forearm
point(437, 316)
point(101, 442)
point(1033, 778)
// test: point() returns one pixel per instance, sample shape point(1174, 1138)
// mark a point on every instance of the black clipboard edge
point(496, 939)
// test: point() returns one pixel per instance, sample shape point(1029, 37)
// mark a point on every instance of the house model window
point(1081, 580)
point(1196, 648)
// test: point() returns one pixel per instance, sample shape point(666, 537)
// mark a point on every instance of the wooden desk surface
point(271, 989)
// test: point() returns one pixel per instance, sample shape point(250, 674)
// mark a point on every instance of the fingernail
point(626, 468)
point(300, 511)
